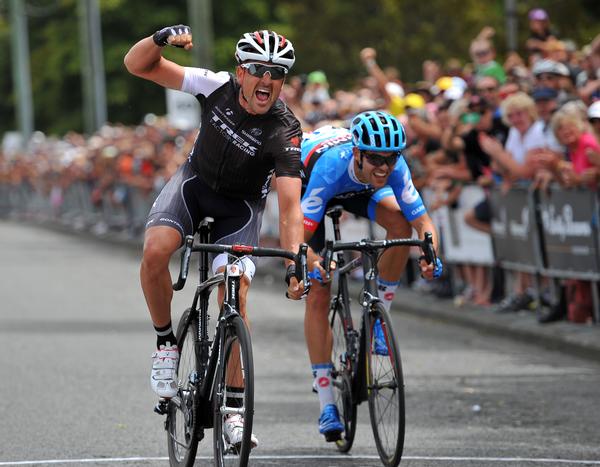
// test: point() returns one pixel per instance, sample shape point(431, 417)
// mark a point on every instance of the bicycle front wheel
point(182, 425)
point(341, 375)
point(385, 386)
point(234, 397)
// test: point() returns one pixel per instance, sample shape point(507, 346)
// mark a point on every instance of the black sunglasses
point(546, 76)
point(378, 160)
point(259, 69)
point(594, 120)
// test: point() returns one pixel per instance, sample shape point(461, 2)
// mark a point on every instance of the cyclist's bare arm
point(424, 224)
point(145, 60)
point(312, 256)
point(290, 222)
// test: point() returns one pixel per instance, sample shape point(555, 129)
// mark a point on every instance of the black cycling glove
point(160, 37)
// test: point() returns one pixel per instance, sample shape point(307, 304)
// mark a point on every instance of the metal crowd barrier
point(119, 210)
point(552, 234)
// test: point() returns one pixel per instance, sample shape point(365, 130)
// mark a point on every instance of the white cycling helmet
point(265, 46)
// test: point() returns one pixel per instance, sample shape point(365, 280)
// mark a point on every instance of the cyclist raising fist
point(246, 135)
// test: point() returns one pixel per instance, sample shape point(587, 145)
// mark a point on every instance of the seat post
point(335, 212)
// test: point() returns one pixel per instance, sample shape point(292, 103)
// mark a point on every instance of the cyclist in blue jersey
point(363, 170)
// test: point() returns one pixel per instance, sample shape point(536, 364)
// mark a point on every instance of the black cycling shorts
point(357, 204)
point(185, 200)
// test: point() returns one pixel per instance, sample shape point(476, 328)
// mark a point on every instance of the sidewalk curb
point(576, 339)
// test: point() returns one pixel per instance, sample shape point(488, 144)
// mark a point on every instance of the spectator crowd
point(485, 121)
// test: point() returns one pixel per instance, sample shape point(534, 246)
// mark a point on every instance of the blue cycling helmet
point(377, 131)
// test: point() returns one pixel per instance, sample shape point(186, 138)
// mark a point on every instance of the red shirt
point(578, 157)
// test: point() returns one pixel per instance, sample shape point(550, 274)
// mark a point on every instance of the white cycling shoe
point(164, 367)
point(233, 428)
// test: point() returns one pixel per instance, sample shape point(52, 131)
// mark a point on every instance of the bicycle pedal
point(333, 436)
point(161, 406)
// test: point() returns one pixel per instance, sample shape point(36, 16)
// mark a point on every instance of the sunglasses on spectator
point(594, 120)
point(258, 70)
point(378, 160)
point(488, 89)
point(481, 53)
point(546, 76)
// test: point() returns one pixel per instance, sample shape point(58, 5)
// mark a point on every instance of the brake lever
point(185, 263)
point(327, 258)
point(303, 266)
point(428, 250)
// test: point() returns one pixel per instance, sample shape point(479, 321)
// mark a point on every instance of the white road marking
point(441, 459)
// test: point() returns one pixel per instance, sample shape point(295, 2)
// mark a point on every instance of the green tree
point(327, 35)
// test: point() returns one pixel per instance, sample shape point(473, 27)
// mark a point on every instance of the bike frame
point(356, 342)
point(369, 255)
point(208, 353)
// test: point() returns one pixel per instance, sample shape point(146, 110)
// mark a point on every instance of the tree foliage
point(327, 36)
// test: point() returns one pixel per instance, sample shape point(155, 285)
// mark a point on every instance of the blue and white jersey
point(328, 162)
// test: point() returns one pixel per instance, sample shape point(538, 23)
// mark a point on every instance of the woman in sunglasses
point(246, 135)
point(363, 170)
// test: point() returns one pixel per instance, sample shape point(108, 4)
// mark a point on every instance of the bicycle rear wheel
point(234, 396)
point(182, 415)
point(385, 388)
point(341, 375)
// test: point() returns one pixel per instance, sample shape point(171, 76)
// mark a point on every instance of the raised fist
point(179, 35)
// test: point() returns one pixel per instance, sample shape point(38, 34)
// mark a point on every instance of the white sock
point(386, 291)
point(322, 375)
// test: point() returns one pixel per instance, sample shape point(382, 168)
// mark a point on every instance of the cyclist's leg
point(160, 243)
point(382, 207)
point(316, 325)
point(236, 221)
point(168, 222)
point(319, 344)
point(384, 210)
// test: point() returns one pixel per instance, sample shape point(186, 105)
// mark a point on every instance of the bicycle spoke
point(181, 418)
point(234, 397)
point(385, 391)
point(342, 373)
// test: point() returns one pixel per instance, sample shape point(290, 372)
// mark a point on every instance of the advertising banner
point(514, 229)
point(570, 230)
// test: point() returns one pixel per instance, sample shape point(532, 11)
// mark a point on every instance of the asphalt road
point(74, 376)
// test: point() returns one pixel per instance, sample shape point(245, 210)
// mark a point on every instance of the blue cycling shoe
point(380, 343)
point(329, 423)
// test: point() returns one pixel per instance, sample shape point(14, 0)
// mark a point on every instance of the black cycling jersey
point(236, 153)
